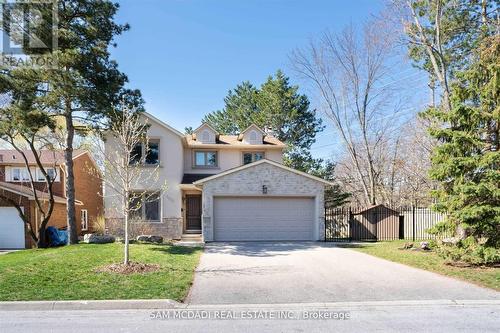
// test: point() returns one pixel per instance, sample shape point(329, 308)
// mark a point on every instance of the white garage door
point(11, 229)
point(263, 218)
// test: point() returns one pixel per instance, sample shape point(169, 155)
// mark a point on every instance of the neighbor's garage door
point(263, 218)
point(11, 229)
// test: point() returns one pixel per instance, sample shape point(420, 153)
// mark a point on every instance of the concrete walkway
point(253, 273)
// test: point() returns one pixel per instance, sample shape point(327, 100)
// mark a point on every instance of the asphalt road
point(263, 273)
point(437, 316)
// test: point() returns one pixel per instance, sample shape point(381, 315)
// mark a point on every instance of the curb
point(354, 304)
point(89, 305)
point(165, 304)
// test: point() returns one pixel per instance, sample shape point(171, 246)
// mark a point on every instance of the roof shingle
point(47, 157)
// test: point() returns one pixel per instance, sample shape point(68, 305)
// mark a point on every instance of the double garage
point(262, 201)
point(263, 218)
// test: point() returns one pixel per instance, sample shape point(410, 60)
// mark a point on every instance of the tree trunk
point(126, 241)
point(70, 180)
point(42, 239)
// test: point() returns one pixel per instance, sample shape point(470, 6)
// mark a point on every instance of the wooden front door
point(193, 212)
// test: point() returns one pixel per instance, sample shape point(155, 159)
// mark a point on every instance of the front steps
point(191, 240)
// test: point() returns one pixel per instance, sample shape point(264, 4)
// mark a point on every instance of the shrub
point(470, 251)
point(99, 225)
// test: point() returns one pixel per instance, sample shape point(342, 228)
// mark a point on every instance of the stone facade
point(250, 181)
point(169, 228)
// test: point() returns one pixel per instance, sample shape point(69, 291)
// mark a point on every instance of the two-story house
point(15, 184)
point(224, 188)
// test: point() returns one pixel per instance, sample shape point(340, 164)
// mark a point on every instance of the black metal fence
point(345, 224)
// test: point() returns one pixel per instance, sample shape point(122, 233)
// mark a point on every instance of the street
point(397, 316)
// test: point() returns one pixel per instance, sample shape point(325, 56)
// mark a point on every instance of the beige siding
point(228, 159)
point(170, 173)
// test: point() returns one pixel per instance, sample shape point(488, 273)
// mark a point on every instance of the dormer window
point(253, 136)
point(205, 134)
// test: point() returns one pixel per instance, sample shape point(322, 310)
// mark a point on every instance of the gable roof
point(240, 136)
point(47, 157)
point(163, 124)
point(27, 192)
point(207, 125)
point(232, 141)
point(254, 164)
point(375, 207)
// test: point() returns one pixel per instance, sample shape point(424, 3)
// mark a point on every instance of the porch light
point(264, 189)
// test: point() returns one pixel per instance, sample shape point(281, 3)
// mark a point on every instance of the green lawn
point(67, 273)
point(487, 277)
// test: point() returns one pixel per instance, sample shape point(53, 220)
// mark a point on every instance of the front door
point(193, 212)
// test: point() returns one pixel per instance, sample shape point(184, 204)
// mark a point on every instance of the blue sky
point(184, 55)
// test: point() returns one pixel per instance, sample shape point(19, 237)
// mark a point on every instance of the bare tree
point(350, 75)
point(440, 35)
point(415, 163)
point(123, 164)
point(430, 38)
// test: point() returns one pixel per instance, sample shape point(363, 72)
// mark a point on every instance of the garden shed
point(377, 222)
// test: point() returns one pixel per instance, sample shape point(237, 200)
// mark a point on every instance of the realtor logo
point(29, 31)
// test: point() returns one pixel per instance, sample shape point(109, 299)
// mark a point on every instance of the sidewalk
point(165, 304)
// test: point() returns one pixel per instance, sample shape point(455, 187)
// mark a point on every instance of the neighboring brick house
point(221, 188)
point(14, 183)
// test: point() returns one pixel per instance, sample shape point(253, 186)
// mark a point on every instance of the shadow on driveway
point(263, 249)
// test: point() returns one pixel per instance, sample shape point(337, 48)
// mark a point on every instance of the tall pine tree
point(467, 162)
point(84, 83)
point(278, 106)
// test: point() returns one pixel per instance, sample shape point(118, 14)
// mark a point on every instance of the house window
point(205, 137)
point(136, 154)
point(20, 175)
point(51, 172)
point(153, 153)
point(84, 219)
point(148, 156)
point(205, 159)
point(145, 206)
point(253, 136)
point(252, 157)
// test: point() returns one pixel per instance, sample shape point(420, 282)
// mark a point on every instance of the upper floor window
point(51, 172)
point(205, 136)
point(253, 136)
point(205, 159)
point(252, 157)
point(20, 175)
point(150, 156)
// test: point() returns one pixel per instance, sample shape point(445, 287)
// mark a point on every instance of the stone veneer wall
point(249, 182)
point(169, 228)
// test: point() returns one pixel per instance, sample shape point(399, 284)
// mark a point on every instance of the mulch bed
point(131, 268)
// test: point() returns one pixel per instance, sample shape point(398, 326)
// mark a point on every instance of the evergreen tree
point(277, 106)
point(83, 83)
point(467, 162)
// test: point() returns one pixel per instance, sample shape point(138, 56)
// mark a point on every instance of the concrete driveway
point(258, 273)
